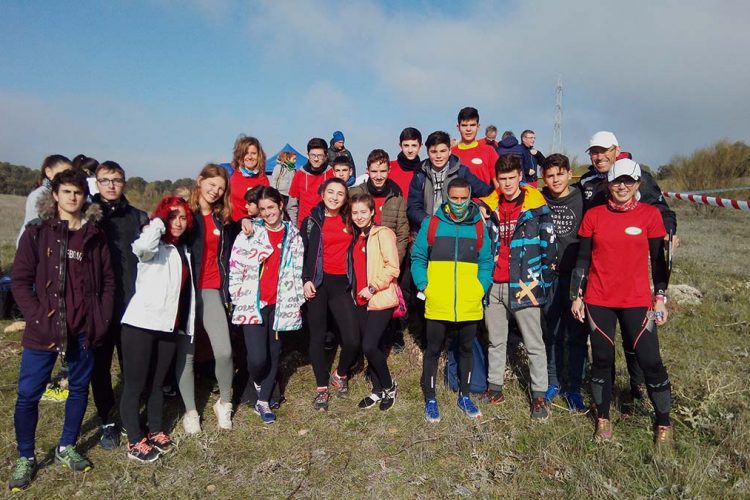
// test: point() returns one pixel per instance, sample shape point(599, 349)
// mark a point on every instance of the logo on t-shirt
point(633, 231)
point(564, 219)
point(476, 161)
point(75, 255)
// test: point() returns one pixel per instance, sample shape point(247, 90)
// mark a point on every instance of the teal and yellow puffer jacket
point(453, 274)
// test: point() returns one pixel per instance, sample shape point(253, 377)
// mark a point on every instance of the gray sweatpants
point(497, 315)
point(215, 322)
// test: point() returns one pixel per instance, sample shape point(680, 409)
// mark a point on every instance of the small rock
point(211, 488)
point(16, 326)
point(302, 432)
point(393, 430)
point(685, 295)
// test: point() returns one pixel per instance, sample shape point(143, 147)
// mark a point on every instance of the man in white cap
point(603, 150)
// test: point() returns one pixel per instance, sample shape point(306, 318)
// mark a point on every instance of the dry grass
point(352, 453)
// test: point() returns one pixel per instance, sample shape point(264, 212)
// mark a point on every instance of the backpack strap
point(432, 230)
point(479, 227)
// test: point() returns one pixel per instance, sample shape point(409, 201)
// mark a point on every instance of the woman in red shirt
point(326, 287)
point(210, 243)
point(373, 277)
point(249, 164)
point(610, 284)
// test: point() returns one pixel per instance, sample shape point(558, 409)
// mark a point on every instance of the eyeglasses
point(317, 156)
point(625, 181)
point(111, 182)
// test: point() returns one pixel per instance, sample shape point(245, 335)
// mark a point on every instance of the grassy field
point(353, 453)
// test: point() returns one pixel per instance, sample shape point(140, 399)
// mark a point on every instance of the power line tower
point(557, 126)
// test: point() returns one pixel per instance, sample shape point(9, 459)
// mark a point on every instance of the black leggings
point(436, 332)
point(372, 325)
point(640, 331)
point(101, 378)
point(332, 294)
point(139, 346)
point(263, 350)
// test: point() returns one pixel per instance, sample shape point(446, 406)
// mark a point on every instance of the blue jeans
point(561, 331)
point(36, 368)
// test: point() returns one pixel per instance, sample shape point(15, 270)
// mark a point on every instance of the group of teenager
point(460, 241)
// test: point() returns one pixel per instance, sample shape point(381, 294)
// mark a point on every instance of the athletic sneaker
point(223, 413)
point(55, 393)
point(264, 411)
point(191, 422)
point(161, 442)
point(552, 392)
point(143, 451)
point(604, 431)
point(431, 411)
point(492, 397)
point(575, 402)
point(663, 434)
point(341, 384)
point(70, 458)
point(320, 402)
point(539, 409)
point(110, 437)
point(388, 397)
point(466, 405)
point(23, 474)
point(369, 401)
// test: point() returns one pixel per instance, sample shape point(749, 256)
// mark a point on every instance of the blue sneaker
point(466, 405)
point(266, 415)
point(552, 392)
point(431, 411)
point(575, 402)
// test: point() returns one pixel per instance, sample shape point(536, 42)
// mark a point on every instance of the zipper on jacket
point(61, 310)
point(455, 275)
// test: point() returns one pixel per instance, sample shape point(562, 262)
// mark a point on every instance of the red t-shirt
point(304, 187)
point(379, 202)
point(335, 245)
point(269, 275)
point(480, 159)
point(359, 254)
point(210, 277)
point(619, 274)
point(401, 177)
point(507, 214)
point(239, 185)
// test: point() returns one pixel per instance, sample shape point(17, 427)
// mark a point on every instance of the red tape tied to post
point(710, 200)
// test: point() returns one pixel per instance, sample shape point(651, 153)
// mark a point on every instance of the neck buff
point(459, 210)
point(378, 193)
point(246, 172)
point(407, 164)
point(289, 164)
point(622, 207)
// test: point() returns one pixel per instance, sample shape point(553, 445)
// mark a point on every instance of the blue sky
point(164, 86)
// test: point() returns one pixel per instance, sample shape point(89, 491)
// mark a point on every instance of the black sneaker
point(388, 397)
point(161, 442)
point(320, 402)
point(110, 437)
point(369, 401)
point(70, 458)
point(142, 451)
point(23, 474)
point(341, 384)
point(539, 411)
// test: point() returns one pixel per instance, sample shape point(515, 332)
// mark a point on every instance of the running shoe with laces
point(604, 431)
point(341, 384)
point(191, 422)
point(23, 474)
point(575, 402)
point(223, 413)
point(320, 402)
point(70, 458)
point(143, 451)
point(466, 405)
point(431, 411)
point(263, 410)
point(388, 397)
point(539, 411)
point(55, 393)
point(663, 435)
point(110, 437)
point(369, 401)
point(161, 441)
point(492, 396)
point(552, 392)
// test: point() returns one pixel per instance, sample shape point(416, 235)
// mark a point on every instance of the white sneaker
point(191, 422)
point(223, 413)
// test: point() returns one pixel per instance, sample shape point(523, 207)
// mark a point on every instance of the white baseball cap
point(603, 139)
point(624, 167)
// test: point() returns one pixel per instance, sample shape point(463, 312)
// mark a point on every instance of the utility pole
point(557, 125)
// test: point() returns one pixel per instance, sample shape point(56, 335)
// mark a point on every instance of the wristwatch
point(661, 296)
point(372, 289)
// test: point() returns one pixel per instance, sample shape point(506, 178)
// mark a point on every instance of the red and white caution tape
point(710, 200)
